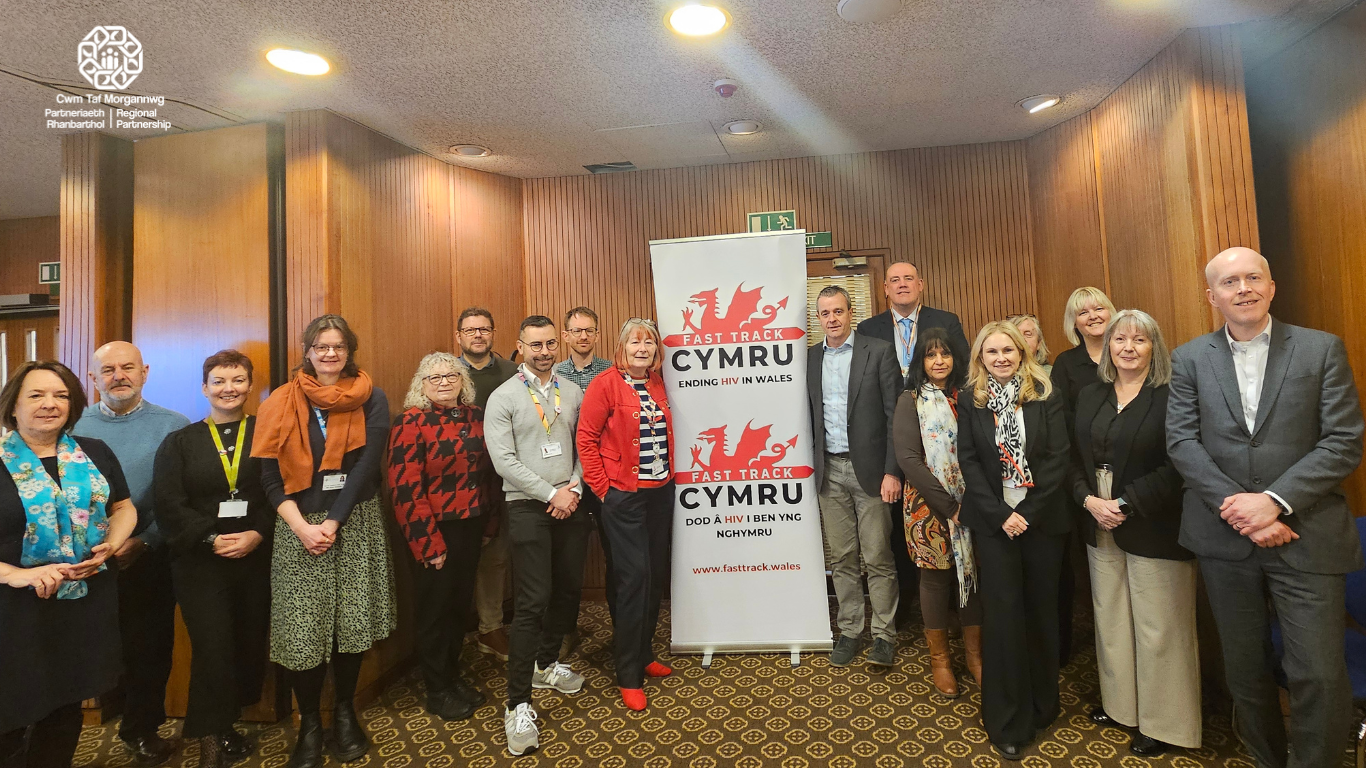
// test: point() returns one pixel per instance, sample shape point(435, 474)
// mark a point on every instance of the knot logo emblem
point(110, 58)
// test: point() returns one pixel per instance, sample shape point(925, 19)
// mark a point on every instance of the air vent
point(617, 167)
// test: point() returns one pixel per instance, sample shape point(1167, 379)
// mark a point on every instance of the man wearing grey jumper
point(529, 429)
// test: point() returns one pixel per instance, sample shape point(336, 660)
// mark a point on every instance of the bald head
point(1241, 288)
point(1234, 260)
point(119, 374)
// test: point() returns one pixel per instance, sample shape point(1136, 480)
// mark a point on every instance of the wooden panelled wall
point(24, 244)
point(960, 213)
point(1307, 109)
point(1137, 194)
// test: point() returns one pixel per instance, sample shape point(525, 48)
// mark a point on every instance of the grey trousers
point(857, 524)
point(1311, 609)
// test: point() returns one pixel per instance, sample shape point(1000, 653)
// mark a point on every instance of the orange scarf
point(282, 425)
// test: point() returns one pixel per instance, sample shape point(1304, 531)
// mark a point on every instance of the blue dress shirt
point(835, 393)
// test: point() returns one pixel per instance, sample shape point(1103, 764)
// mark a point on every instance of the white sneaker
point(520, 726)
point(557, 676)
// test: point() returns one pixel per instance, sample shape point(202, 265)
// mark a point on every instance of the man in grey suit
point(852, 382)
point(1264, 424)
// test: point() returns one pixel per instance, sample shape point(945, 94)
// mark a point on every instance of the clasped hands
point(562, 504)
point(1106, 512)
point(316, 539)
point(1258, 517)
point(235, 545)
point(45, 579)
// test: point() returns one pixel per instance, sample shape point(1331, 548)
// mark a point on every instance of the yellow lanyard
point(537, 402)
point(230, 469)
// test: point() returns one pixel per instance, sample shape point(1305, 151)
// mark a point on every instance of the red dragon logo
point(753, 457)
point(743, 313)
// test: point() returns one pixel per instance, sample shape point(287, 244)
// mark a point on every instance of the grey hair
point(1159, 367)
point(1076, 302)
point(1041, 356)
point(425, 368)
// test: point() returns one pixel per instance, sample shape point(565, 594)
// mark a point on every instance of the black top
point(190, 482)
point(1073, 371)
point(490, 377)
point(361, 467)
point(1144, 476)
point(56, 652)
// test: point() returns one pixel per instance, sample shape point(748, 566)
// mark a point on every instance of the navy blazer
point(874, 385)
point(880, 327)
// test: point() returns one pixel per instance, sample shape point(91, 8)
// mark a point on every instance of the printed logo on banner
point(752, 457)
point(110, 58)
point(746, 319)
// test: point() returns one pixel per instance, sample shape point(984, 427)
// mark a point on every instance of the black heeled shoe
point(1099, 717)
point(1147, 746)
point(348, 741)
point(236, 745)
point(308, 750)
point(1009, 750)
point(211, 754)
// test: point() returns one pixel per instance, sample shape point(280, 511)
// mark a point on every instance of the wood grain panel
point(487, 267)
point(201, 244)
point(1307, 109)
point(24, 244)
point(96, 222)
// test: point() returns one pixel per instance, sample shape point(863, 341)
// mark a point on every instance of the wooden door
point(26, 337)
point(859, 272)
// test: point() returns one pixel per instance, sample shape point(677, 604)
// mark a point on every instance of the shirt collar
point(107, 411)
point(898, 317)
point(1262, 338)
point(848, 342)
point(534, 379)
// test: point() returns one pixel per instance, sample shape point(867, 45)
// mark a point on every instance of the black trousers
point(147, 629)
point(444, 597)
point(1019, 591)
point(1310, 609)
point(547, 581)
point(48, 743)
point(593, 505)
point(640, 527)
point(226, 607)
point(1067, 595)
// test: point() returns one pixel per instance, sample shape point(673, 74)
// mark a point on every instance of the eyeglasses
point(476, 331)
point(581, 331)
point(641, 321)
point(322, 349)
point(437, 379)
point(537, 346)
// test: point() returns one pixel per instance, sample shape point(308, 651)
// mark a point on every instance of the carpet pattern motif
point(746, 711)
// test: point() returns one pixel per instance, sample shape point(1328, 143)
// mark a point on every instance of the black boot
point(211, 753)
point(308, 751)
point(347, 741)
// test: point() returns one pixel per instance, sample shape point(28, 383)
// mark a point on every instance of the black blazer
point(874, 384)
point(1046, 451)
point(1144, 474)
point(880, 327)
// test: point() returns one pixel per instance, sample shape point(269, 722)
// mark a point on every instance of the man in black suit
point(1264, 424)
point(852, 383)
point(900, 325)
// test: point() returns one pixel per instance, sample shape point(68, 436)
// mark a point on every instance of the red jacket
point(437, 471)
point(609, 431)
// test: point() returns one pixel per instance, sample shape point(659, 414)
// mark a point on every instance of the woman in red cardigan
point(625, 442)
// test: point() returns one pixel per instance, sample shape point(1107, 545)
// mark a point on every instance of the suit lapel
point(1124, 438)
point(814, 374)
point(856, 365)
point(1086, 413)
point(1277, 364)
point(1222, 358)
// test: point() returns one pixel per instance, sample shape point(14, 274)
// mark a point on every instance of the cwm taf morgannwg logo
point(110, 58)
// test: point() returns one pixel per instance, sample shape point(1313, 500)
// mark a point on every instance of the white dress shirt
point(1249, 365)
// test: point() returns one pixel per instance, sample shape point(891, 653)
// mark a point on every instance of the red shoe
point(633, 698)
point(655, 669)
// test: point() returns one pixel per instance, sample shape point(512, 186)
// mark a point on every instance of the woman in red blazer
point(625, 442)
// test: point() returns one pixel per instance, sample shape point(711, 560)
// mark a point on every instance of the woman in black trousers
point(1013, 450)
point(210, 505)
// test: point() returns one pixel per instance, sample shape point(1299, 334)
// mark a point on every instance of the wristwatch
point(210, 539)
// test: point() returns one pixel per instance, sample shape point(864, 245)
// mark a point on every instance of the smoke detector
point(866, 11)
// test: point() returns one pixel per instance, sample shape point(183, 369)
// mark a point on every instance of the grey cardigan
point(513, 434)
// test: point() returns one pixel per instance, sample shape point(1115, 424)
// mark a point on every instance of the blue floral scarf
point(66, 521)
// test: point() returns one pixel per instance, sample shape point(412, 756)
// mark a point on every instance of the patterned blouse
point(654, 436)
point(437, 469)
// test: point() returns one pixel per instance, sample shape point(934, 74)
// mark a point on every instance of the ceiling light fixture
point(298, 62)
point(867, 11)
point(697, 20)
point(743, 127)
point(1039, 103)
point(470, 150)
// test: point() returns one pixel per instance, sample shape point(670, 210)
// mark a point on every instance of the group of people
point(955, 470)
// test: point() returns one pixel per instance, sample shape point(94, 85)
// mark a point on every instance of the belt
point(844, 455)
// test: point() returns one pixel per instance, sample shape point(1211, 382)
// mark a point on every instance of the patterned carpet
point(746, 712)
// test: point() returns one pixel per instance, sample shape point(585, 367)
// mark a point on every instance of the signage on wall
point(49, 272)
point(772, 221)
point(818, 240)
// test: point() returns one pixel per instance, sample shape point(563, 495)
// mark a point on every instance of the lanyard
point(322, 423)
point(537, 401)
point(230, 469)
point(648, 406)
point(909, 340)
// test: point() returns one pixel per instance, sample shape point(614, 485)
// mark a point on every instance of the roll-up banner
point(748, 566)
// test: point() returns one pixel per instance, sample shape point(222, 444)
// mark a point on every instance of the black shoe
point(844, 650)
point(348, 741)
point(462, 690)
point(236, 745)
point(1098, 716)
point(1147, 746)
point(882, 654)
point(150, 749)
point(449, 705)
point(308, 750)
point(1009, 750)
point(211, 754)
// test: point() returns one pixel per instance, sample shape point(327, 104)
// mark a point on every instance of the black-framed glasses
point(437, 379)
point(322, 349)
point(581, 331)
point(537, 346)
point(476, 331)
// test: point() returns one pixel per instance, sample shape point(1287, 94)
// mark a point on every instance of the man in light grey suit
point(852, 383)
point(1264, 424)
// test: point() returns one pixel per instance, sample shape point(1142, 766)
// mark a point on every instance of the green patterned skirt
point(345, 593)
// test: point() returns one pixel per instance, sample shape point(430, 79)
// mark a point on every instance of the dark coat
point(874, 384)
point(880, 327)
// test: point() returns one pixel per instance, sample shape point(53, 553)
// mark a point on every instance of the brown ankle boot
point(941, 662)
point(972, 652)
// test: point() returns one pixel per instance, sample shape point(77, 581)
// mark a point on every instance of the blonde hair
point(1041, 356)
point(1159, 367)
point(628, 330)
point(417, 399)
point(1079, 299)
point(1036, 385)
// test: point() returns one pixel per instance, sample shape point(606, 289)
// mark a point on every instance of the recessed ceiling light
point(863, 11)
point(298, 62)
point(470, 150)
point(1039, 103)
point(697, 20)
point(743, 127)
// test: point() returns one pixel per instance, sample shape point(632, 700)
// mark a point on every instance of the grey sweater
point(514, 435)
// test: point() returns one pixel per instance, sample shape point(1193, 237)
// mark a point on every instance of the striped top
point(654, 435)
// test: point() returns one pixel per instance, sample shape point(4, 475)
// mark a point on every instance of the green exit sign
point(772, 221)
point(818, 240)
point(49, 272)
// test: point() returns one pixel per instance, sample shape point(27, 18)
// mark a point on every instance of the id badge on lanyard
point(232, 507)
